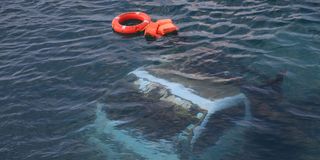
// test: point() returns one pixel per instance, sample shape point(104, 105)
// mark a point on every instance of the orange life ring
point(118, 27)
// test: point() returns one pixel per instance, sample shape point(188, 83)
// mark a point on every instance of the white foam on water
point(179, 90)
point(142, 147)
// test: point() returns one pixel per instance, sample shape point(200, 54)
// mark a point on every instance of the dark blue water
point(60, 59)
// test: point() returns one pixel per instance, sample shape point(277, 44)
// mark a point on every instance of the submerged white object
point(184, 97)
point(212, 106)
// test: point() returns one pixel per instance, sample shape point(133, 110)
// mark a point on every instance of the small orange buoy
point(118, 27)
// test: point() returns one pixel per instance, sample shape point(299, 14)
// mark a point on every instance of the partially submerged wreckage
point(170, 106)
point(200, 108)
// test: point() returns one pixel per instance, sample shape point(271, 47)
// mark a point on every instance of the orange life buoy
point(118, 27)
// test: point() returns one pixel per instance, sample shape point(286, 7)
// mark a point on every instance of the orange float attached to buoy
point(120, 28)
point(152, 30)
point(166, 26)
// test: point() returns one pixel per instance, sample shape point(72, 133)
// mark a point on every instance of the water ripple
point(58, 58)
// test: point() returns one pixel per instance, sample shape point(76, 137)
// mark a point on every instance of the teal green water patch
point(231, 143)
point(136, 146)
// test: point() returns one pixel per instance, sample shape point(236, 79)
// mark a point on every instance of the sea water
point(58, 59)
